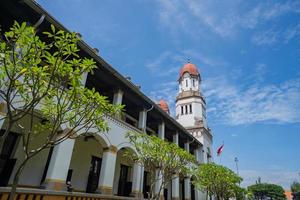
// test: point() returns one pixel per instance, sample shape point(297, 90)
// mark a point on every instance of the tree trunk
point(16, 180)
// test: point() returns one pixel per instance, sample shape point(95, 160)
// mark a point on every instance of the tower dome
point(189, 68)
point(164, 106)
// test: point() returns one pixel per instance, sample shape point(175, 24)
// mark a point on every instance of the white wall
point(188, 120)
point(81, 161)
point(33, 171)
point(121, 159)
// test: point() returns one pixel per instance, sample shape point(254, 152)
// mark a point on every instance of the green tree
point(295, 188)
point(262, 191)
point(161, 159)
point(218, 181)
point(41, 80)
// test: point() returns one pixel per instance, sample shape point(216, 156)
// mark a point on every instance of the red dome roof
point(163, 105)
point(190, 68)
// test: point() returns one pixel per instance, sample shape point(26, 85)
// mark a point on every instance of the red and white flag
point(220, 149)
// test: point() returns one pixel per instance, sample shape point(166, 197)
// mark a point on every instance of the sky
point(248, 55)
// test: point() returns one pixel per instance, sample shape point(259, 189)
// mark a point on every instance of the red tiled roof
point(163, 105)
point(190, 68)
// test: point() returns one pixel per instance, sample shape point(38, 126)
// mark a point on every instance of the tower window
point(181, 110)
point(191, 108)
point(186, 109)
point(186, 82)
point(193, 82)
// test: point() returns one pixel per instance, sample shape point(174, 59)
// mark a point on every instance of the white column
point(175, 187)
point(187, 188)
point(176, 138)
point(118, 96)
point(175, 178)
point(142, 119)
point(137, 187)
point(84, 78)
point(187, 180)
point(187, 146)
point(108, 170)
point(198, 155)
point(158, 183)
point(59, 165)
point(161, 130)
point(158, 175)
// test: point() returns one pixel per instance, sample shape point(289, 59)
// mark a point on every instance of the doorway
point(124, 188)
point(6, 162)
point(94, 174)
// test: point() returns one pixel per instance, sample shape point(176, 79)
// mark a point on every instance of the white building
point(191, 107)
point(95, 163)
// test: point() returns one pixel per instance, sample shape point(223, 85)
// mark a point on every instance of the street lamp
point(236, 160)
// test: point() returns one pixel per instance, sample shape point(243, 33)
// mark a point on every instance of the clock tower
point(191, 107)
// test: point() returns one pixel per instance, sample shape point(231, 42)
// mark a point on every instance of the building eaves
point(90, 51)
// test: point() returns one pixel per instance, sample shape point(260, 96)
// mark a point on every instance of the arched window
point(181, 110)
point(193, 82)
point(186, 109)
point(191, 108)
point(186, 82)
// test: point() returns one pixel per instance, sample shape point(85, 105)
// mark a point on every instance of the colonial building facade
point(95, 162)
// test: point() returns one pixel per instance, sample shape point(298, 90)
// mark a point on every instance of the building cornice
point(189, 94)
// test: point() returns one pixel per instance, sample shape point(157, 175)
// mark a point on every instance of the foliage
point(218, 181)
point(156, 155)
point(40, 80)
point(295, 187)
point(262, 191)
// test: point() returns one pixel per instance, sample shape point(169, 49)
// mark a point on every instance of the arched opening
point(123, 173)
point(13, 154)
point(85, 167)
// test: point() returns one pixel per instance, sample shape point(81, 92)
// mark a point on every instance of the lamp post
point(236, 160)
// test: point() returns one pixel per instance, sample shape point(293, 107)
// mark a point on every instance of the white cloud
point(234, 105)
point(168, 92)
point(265, 37)
point(272, 36)
point(169, 64)
point(225, 18)
point(279, 177)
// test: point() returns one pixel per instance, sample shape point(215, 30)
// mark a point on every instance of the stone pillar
point(199, 195)
point(175, 187)
point(59, 165)
point(187, 146)
point(175, 179)
point(84, 78)
point(187, 188)
point(158, 175)
point(107, 172)
point(198, 155)
point(137, 180)
point(118, 96)
point(161, 130)
point(176, 138)
point(158, 183)
point(187, 180)
point(142, 120)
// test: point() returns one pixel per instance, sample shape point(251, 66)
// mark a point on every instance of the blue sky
point(248, 55)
